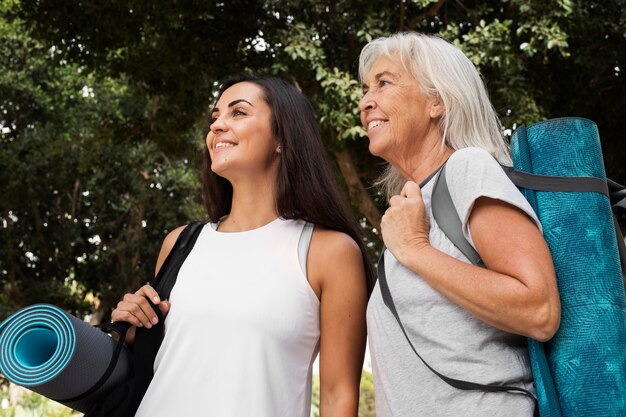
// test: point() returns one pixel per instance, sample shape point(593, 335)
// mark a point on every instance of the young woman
point(251, 309)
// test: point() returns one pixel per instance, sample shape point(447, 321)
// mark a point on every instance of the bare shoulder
point(333, 244)
point(168, 244)
point(334, 255)
point(172, 236)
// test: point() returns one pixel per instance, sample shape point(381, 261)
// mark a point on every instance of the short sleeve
point(472, 173)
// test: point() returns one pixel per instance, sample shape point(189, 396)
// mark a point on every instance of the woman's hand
point(136, 310)
point(134, 307)
point(404, 225)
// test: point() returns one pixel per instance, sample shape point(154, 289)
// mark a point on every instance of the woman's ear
point(436, 107)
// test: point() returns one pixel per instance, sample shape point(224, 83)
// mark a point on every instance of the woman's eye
point(238, 112)
point(383, 83)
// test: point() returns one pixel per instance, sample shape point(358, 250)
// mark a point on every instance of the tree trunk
point(356, 189)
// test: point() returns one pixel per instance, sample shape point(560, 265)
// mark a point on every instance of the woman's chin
point(219, 168)
point(376, 149)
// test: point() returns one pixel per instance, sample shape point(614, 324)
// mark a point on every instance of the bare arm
point(517, 292)
point(337, 276)
point(134, 308)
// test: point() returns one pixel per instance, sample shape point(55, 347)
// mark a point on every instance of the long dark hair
point(305, 185)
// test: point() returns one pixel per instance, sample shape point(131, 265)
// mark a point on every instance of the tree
point(82, 183)
point(153, 67)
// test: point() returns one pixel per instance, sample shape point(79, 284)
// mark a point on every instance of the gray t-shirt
point(450, 339)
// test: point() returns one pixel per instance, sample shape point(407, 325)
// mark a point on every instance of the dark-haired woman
point(252, 306)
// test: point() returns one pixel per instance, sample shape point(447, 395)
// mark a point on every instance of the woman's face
point(398, 116)
point(240, 140)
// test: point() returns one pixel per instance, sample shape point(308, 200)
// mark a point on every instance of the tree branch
point(356, 189)
point(75, 197)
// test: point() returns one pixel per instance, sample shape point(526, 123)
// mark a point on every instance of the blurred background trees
point(104, 105)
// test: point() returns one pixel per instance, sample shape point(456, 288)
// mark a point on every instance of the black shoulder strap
point(456, 383)
point(166, 277)
point(148, 341)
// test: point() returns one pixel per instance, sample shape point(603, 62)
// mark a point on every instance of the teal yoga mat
point(582, 370)
point(53, 353)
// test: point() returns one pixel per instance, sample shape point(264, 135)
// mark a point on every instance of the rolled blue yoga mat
point(586, 360)
point(55, 354)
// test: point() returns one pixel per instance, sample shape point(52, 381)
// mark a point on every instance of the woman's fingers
point(404, 225)
point(148, 291)
point(136, 310)
point(164, 306)
point(411, 190)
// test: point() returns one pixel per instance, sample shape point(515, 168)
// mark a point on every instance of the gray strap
point(303, 244)
point(456, 383)
point(554, 183)
point(448, 219)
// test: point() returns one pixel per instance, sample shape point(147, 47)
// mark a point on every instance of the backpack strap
point(449, 222)
point(539, 182)
point(448, 219)
point(166, 277)
point(456, 383)
point(446, 215)
point(149, 339)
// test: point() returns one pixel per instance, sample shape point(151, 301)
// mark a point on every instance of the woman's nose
point(217, 125)
point(366, 103)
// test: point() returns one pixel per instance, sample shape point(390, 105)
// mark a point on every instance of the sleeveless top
point(243, 329)
point(450, 339)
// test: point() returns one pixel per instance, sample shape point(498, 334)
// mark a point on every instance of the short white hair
point(469, 119)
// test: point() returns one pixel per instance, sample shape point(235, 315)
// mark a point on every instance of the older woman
point(424, 105)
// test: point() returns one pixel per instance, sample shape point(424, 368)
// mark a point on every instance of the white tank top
point(242, 332)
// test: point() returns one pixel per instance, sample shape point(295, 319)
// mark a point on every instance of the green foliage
point(108, 99)
point(88, 196)
point(103, 110)
point(367, 406)
point(337, 91)
point(315, 397)
point(35, 405)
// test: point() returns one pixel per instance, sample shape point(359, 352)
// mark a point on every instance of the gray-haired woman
point(424, 104)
